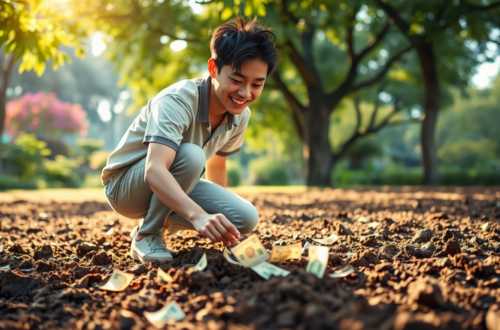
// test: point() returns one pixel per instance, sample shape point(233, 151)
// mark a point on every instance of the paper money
point(118, 281)
point(202, 264)
point(306, 246)
point(318, 258)
point(282, 253)
point(228, 257)
point(328, 240)
point(161, 275)
point(349, 269)
point(250, 252)
point(265, 270)
point(172, 311)
point(5, 268)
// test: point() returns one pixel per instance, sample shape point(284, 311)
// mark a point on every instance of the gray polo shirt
point(178, 114)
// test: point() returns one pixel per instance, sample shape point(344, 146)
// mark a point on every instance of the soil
point(424, 258)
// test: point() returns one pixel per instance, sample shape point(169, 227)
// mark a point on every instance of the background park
point(379, 127)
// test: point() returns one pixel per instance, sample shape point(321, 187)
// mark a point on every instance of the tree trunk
point(431, 107)
point(5, 70)
point(320, 153)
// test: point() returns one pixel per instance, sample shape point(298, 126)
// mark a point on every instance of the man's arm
point(216, 170)
point(158, 177)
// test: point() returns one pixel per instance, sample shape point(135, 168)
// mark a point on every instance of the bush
point(61, 172)
point(98, 160)
point(9, 182)
point(266, 172)
point(467, 153)
point(88, 146)
point(25, 156)
point(233, 174)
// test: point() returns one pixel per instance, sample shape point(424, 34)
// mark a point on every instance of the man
point(154, 172)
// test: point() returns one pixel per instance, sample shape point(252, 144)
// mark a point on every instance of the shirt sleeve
point(168, 120)
point(233, 145)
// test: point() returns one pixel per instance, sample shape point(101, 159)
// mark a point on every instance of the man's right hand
point(217, 228)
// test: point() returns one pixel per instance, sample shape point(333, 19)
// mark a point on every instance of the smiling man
point(189, 127)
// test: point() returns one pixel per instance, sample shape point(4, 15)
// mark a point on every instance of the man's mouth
point(237, 101)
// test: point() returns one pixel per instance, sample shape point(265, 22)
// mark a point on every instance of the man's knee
point(249, 217)
point(189, 157)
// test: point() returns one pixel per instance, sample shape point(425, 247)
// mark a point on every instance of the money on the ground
point(5, 268)
point(226, 254)
point(485, 226)
point(306, 246)
point(202, 264)
point(318, 259)
point(282, 253)
point(161, 275)
point(172, 311)
point(328, 240)
point(265, 270)
point(346, 270)
point(250, 252)
point(118, 281)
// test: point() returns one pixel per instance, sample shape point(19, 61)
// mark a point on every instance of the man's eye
point(234, 80)
point(257, 85)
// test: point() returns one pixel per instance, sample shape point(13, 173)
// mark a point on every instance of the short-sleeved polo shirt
point(176, 115)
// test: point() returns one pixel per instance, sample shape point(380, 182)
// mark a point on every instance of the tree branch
point(400, 22)
point(382, 72)
point(376, 106)
point(298, 109)
point(6, 72)
point(349, 41)
point(476, 7)
point(378, 38)
point(302, 65)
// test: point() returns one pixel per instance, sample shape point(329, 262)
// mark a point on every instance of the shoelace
point(155, 243)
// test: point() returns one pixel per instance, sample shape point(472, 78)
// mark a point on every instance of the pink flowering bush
point(45, 115)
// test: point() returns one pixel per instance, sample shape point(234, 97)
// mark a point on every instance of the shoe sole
point(137, 257)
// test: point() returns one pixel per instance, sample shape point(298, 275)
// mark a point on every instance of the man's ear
point(212, 68)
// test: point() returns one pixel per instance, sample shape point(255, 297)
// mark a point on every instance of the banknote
point(202, 264)
point(265, 270)
point(227, 254)
point(328, 240)
point(306, 246)
point(172, 311)
point(118, 281)
point(282, 253)
point(5, 268)
point(250, 252)
point(346, 270)
point(318, 259)
point(161, 275)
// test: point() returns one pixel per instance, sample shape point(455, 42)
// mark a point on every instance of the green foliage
point(61, 172)
point(266, 172)
point(9, 182)
point(468, 154)
point(88, 146)
point(25, 155)
point(34, 30)
point(233, 174)
point(98, 159)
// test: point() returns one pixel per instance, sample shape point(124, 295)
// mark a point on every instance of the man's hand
point(217, 228)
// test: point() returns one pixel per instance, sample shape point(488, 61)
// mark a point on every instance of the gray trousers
point(129, 196)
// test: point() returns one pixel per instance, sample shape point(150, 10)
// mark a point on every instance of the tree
point(426, 24)
point(32, 32)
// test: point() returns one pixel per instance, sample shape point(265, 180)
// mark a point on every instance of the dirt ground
point(424, 258)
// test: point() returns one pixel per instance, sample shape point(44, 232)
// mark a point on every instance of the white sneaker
point(150, 248)
point(136, 230)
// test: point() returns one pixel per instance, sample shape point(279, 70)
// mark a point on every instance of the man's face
point(237, 90)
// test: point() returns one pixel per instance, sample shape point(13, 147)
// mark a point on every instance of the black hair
point(239, 40)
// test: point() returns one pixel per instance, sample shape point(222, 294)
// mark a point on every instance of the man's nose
point(244, 92)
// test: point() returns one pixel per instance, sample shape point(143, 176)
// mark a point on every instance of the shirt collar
point(204, 95)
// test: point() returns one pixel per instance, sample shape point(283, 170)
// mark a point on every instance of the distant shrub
point(267, 172)
point(24, 156)
point(9, 182)
point(233, 174)
point(61, 172)
point(98, 159)
point(88, 146)
point(468, 153)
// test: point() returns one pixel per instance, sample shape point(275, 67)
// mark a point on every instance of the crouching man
point(154, 172)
